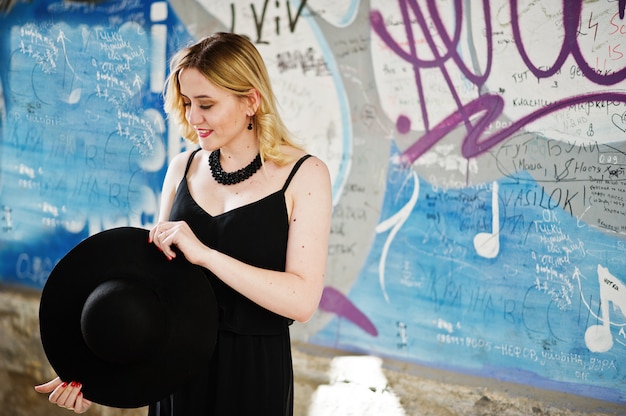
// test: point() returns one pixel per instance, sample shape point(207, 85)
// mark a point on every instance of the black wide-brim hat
point(130, 325)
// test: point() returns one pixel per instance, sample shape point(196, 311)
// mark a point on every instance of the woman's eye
point(201, 106)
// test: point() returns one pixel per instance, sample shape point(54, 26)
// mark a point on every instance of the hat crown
point(122, 320)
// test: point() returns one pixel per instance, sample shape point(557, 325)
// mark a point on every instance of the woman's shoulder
point(183, 158)
point(178, 164)
point(292, 156)
point(312, 170)
point(310, 187)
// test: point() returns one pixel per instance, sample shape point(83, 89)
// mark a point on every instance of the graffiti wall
point(477, 151)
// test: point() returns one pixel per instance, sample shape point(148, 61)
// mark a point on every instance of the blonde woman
point(254, 210)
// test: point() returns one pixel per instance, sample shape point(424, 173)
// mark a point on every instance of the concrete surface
point(333, 383)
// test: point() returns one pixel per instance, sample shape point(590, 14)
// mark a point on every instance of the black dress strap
point(294, 170)
point(190, 160)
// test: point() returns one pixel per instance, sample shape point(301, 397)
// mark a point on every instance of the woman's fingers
point(69, 396)
point(64, 398)
point(151, 235)
point(162, 235)
point(174, 238)
point(49, 386)
point(82, 404)
point(158, 235)
point(58, 393)
point(66, 395)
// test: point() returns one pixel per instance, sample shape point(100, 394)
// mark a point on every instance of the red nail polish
point(73, 384)
point(64, 385)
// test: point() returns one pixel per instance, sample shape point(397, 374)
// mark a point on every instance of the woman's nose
point(193, 116)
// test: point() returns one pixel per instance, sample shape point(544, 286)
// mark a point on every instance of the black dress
point(251, 371)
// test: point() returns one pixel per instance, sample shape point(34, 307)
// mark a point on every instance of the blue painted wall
point(478, 155)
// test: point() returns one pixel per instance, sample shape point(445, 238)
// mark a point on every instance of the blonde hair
point(233, 63)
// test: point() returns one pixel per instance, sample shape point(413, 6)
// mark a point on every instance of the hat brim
point(184, 290)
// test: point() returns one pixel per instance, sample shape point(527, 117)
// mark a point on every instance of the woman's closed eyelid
point(202, 106)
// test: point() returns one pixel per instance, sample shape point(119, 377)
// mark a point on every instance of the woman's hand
point(173, 236)
point(66, 395)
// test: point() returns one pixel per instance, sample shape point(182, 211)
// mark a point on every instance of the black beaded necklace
point(231, 178)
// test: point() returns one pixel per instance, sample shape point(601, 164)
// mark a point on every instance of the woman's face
point(219, 117)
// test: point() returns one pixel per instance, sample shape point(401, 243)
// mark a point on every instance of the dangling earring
point(250, 124)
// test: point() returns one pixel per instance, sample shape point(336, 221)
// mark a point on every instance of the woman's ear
point(254, 101)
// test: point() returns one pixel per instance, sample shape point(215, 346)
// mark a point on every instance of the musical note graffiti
point(599, 338)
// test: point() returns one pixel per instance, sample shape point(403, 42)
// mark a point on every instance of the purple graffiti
point(571, 20)
point(477, 115)
point(336, 302)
